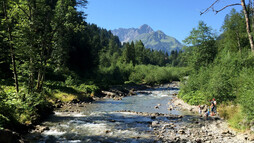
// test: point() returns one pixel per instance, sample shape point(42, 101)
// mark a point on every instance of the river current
point(106, 120)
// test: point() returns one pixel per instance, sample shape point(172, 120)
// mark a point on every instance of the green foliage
point(115, 74)
point(23, 108)
point(234, 36)
point(154, 74)
point(227, 75)
point(246, 92)
point(88, 88)
point(195, 98)
point(202, 46)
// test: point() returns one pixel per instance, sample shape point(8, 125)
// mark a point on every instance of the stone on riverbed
point(251, 138)
point(41, 129)
point(155, 123)
point(181, 132)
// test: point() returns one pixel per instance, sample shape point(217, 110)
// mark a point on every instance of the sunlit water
point(101, 121)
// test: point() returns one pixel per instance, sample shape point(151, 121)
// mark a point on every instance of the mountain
point(156, 40)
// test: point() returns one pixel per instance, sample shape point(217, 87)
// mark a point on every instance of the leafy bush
point(88, 88)
point(195, 98)
point(151, 74)
point(23, 108)
point(246, 92)
point(115, 74)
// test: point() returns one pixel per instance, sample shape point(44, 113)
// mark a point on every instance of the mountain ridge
point(156, 40)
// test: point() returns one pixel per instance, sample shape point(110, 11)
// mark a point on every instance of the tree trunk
point(13, 59)
point(39, 79)
point(238, 41)
point(247, 25)
point(31, 75)
point(252, 14)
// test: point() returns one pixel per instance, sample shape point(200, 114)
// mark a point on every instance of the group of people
point(213, 108)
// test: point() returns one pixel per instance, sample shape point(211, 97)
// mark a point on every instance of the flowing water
point(103, 121)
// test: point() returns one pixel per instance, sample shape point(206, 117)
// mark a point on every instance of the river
point(143, 118)
point(107, 120)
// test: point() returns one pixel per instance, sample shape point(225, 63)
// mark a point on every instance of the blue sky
point(174, 17)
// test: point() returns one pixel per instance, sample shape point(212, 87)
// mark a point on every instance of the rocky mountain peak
point(156, 40)
point(145, 29)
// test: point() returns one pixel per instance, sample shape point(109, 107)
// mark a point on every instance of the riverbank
point(194, 128)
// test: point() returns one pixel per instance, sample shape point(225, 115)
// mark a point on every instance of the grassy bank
point(25, 109)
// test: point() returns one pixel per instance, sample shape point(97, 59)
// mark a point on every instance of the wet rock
point(107, 131)
point(156, 107)
point(167, 126)
point(112, 120)
point(198, 140)
point(131, 92)
point(177, 139)
point(75, 101)
point(225, 132)
point(41, 129)
point(155, 123)
point(153, 117)
point(170, 108)
point(181, 132)
point(109, 94)
point(117, 98)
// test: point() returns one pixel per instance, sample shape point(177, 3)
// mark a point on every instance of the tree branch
point(24, 12)
point(201, 13)
point(217, 11)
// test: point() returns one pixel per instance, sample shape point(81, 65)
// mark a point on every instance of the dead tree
point(246, 16)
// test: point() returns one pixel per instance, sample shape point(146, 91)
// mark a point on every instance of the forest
point(47, 50)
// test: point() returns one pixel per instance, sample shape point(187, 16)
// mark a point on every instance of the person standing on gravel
point(213, 107)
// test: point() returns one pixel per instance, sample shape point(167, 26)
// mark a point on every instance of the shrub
point(22, 108)
point(232, 113)
point(90, 89)
point(151, 74)
point(246, 92)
